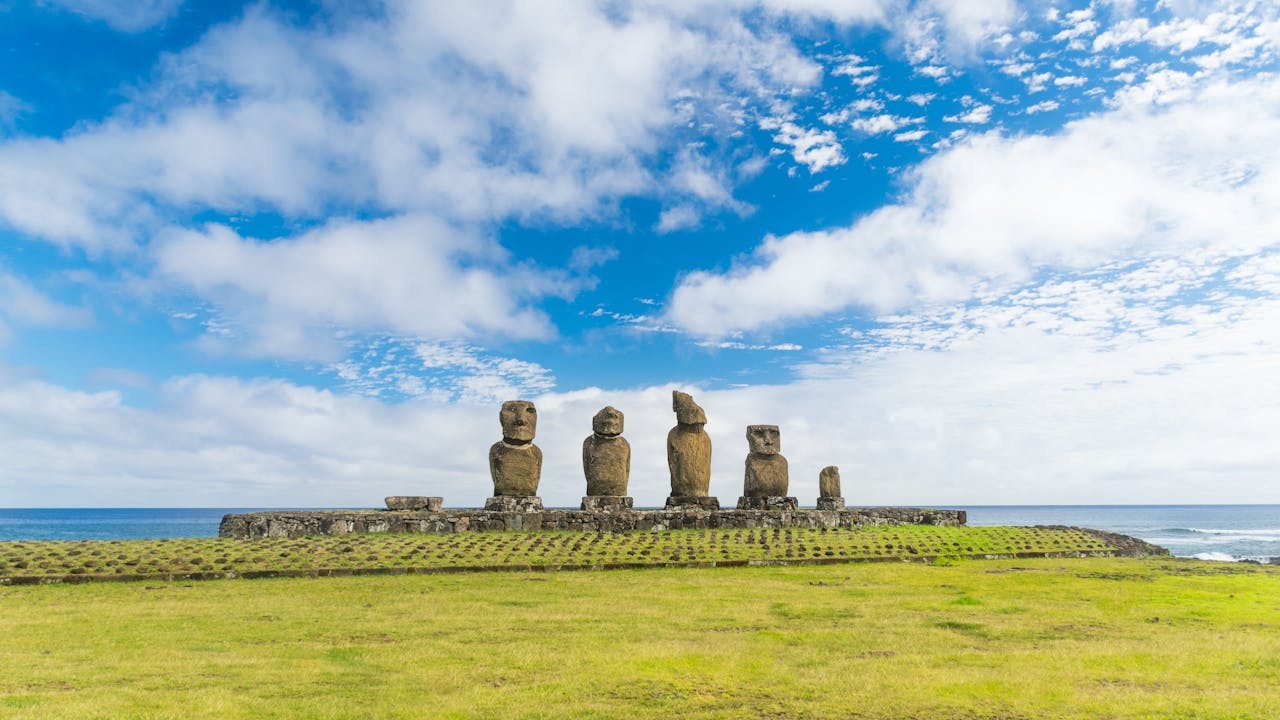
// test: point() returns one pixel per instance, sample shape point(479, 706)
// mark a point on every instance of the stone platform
point(292, 524)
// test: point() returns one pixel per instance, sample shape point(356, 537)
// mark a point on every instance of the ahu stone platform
point(292, 524)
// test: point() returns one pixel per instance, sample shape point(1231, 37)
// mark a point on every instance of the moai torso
point(515, 463)
point(606, 455)
point(766, 474)
point(829, 482)
point(689, 449)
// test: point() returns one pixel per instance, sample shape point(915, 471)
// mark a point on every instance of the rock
point(692, 502)
point(829, 483)
point(515, 463)
point(766, 474)
point(830, 503)
point(414, 502)
point(688, 449)
point(768, 503)
point(511, 504)
point(607, 503)
point(606, 455)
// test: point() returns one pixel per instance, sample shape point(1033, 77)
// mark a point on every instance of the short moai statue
point(689, 456)
point(829, 497)
point(766, 481)
point(516, 463)
point(606, 461)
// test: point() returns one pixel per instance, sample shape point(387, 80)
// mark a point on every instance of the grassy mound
point(1048, 639)
point(28, 562)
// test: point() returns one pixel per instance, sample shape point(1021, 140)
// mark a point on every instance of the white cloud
point(884, 123)
point(131, 16)
point(1044, 106)
point(24, 304)
point(1070, 81)
point(288, 297)
point(815, 149)
point(976, 115)
point(439, 371)
point(1203, 172)
point(910, 135)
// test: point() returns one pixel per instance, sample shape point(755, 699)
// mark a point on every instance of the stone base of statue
point(414, 502)
point(607, 503)
point(514, 504)
point(830, 503)
point(692, 502)
point(767, 503)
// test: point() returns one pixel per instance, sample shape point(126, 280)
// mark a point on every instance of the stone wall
point(293, 524)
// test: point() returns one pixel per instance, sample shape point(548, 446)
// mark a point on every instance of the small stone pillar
point(606, 461)
point(829, 497)
point(515, 463)
point(689, 457)
point(766, 481)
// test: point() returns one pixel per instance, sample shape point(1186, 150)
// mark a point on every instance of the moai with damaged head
point(766, 481)
point(829, 497)
point(606, 461)
point(515, 463)
point(689, 455)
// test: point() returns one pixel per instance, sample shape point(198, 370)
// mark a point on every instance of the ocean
point(1207, 532)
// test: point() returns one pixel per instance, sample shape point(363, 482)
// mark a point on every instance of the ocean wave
point(1268, 533)
point(1217, 557)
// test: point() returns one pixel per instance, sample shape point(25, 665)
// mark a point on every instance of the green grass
point(1025, 638)
point(218, 557)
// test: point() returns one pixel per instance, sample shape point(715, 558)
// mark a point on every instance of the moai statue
point(689, 456)
point(516, 463)
point(765, 485)
point(606, 461)
point(829, 497)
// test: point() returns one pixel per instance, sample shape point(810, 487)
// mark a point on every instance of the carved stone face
point(688, 412)
point(607, 422)
point(764, 439)
point(519, 420)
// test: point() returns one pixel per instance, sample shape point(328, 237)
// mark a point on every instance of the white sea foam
point(1216, 557)
point(1263, 534)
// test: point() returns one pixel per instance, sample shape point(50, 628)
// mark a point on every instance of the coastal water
point(1208, 532)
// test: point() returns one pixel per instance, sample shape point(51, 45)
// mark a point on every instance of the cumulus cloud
point(409, 274)
point(1199, 172)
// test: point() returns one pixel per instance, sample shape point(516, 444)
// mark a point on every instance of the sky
point(296, 254)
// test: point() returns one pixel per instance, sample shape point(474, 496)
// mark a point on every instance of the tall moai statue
point(766, 481)
point(689, 456)
point(829, 497)
point(606, 461)
point(515, 463)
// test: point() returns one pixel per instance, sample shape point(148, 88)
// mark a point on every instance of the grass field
point(1045, 638)
point(215, 557)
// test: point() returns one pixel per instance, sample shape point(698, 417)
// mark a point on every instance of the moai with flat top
point(516, 463)
point(606, 461)
point(689, 457)
point(766, 481)
point(829, 497)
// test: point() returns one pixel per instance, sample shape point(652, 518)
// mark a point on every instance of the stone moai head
point(829, 482)
point(764, 439)
point(688, 412)
point(607, 422)
point(519, 421)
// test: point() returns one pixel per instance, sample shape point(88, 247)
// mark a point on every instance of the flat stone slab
point(830, 503)
point(692, 502)
point(607, 503)
point(414, 502)
point(511, 503)
point(767, 503)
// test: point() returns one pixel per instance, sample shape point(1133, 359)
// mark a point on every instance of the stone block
point(414, 502)
point(772, 502)
point(607, 503)
point(830, 503)
point(513, 504)
point(692, 502)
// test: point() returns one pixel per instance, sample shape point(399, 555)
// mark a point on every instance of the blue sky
point(971, 252)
